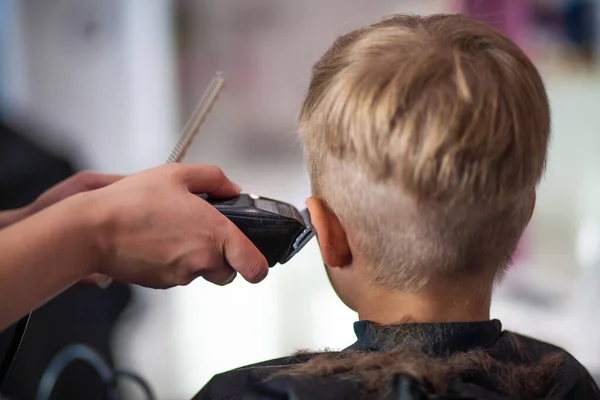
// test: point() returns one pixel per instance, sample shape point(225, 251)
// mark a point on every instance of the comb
point(192, 127)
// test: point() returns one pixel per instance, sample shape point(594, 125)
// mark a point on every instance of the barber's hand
point(156, 233)
point(80, 182)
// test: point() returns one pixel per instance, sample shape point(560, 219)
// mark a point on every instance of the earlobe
point(330, 233)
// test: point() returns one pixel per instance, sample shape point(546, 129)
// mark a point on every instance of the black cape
point(571, 380)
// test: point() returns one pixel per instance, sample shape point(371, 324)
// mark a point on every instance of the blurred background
point(107, 85)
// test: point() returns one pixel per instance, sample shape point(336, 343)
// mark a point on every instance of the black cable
point(85, 353)
point(13, 347)
point(64, 358)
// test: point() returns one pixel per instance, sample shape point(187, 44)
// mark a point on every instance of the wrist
point(92, 223)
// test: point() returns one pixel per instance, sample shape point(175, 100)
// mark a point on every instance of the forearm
point(43, 255)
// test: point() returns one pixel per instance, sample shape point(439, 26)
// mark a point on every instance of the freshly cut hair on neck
point(427, 136)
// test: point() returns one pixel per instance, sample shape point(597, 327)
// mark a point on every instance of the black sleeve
point(208, 392)
point(26, 170)
point(232, 385)
point(585, 388)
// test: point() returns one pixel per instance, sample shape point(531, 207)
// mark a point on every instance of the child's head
point(425, 139)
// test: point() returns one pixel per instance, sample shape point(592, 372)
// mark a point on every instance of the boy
point(425, 139)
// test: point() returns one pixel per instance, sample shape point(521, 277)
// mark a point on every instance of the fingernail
point(262, 275)
point(231, 279)
point(104, 282)
point(237, 187)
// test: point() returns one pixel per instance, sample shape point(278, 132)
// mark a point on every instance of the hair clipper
point(277, 229)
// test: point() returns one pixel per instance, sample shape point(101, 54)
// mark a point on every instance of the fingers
point(211, 266)
point(78, 183)
point(93, 181)
point(207, 179)
point(241, 254)
point(91, 279)
point(102, 281)
point(220, 276)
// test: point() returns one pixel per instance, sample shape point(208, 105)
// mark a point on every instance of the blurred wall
point(12, 80)
point(101, 72)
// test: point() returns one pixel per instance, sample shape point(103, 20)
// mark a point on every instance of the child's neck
point(448, 302)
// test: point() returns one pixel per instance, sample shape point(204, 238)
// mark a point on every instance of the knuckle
point(196, 265)
point(227, 279)
point(185, 281)
point(181, 278)
point(83, 176)
point(193, 266)
point(219, 235)
point(171, 278)
point(173, 168)
point(85, 179)
point(216, 172)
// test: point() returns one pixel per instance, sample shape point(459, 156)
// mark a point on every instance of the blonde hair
point(427, 136)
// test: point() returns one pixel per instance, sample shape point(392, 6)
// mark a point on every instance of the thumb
point(241, 254)
point(208, 179)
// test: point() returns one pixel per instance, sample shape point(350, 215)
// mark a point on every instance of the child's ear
point(330, 233)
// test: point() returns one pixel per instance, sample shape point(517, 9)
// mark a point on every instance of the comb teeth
point(193, 125)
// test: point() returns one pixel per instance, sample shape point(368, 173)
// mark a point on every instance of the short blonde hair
point(427, 136)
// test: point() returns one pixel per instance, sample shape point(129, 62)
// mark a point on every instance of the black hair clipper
point(277, 229)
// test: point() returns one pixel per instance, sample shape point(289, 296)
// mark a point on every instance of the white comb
point(193, 125)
